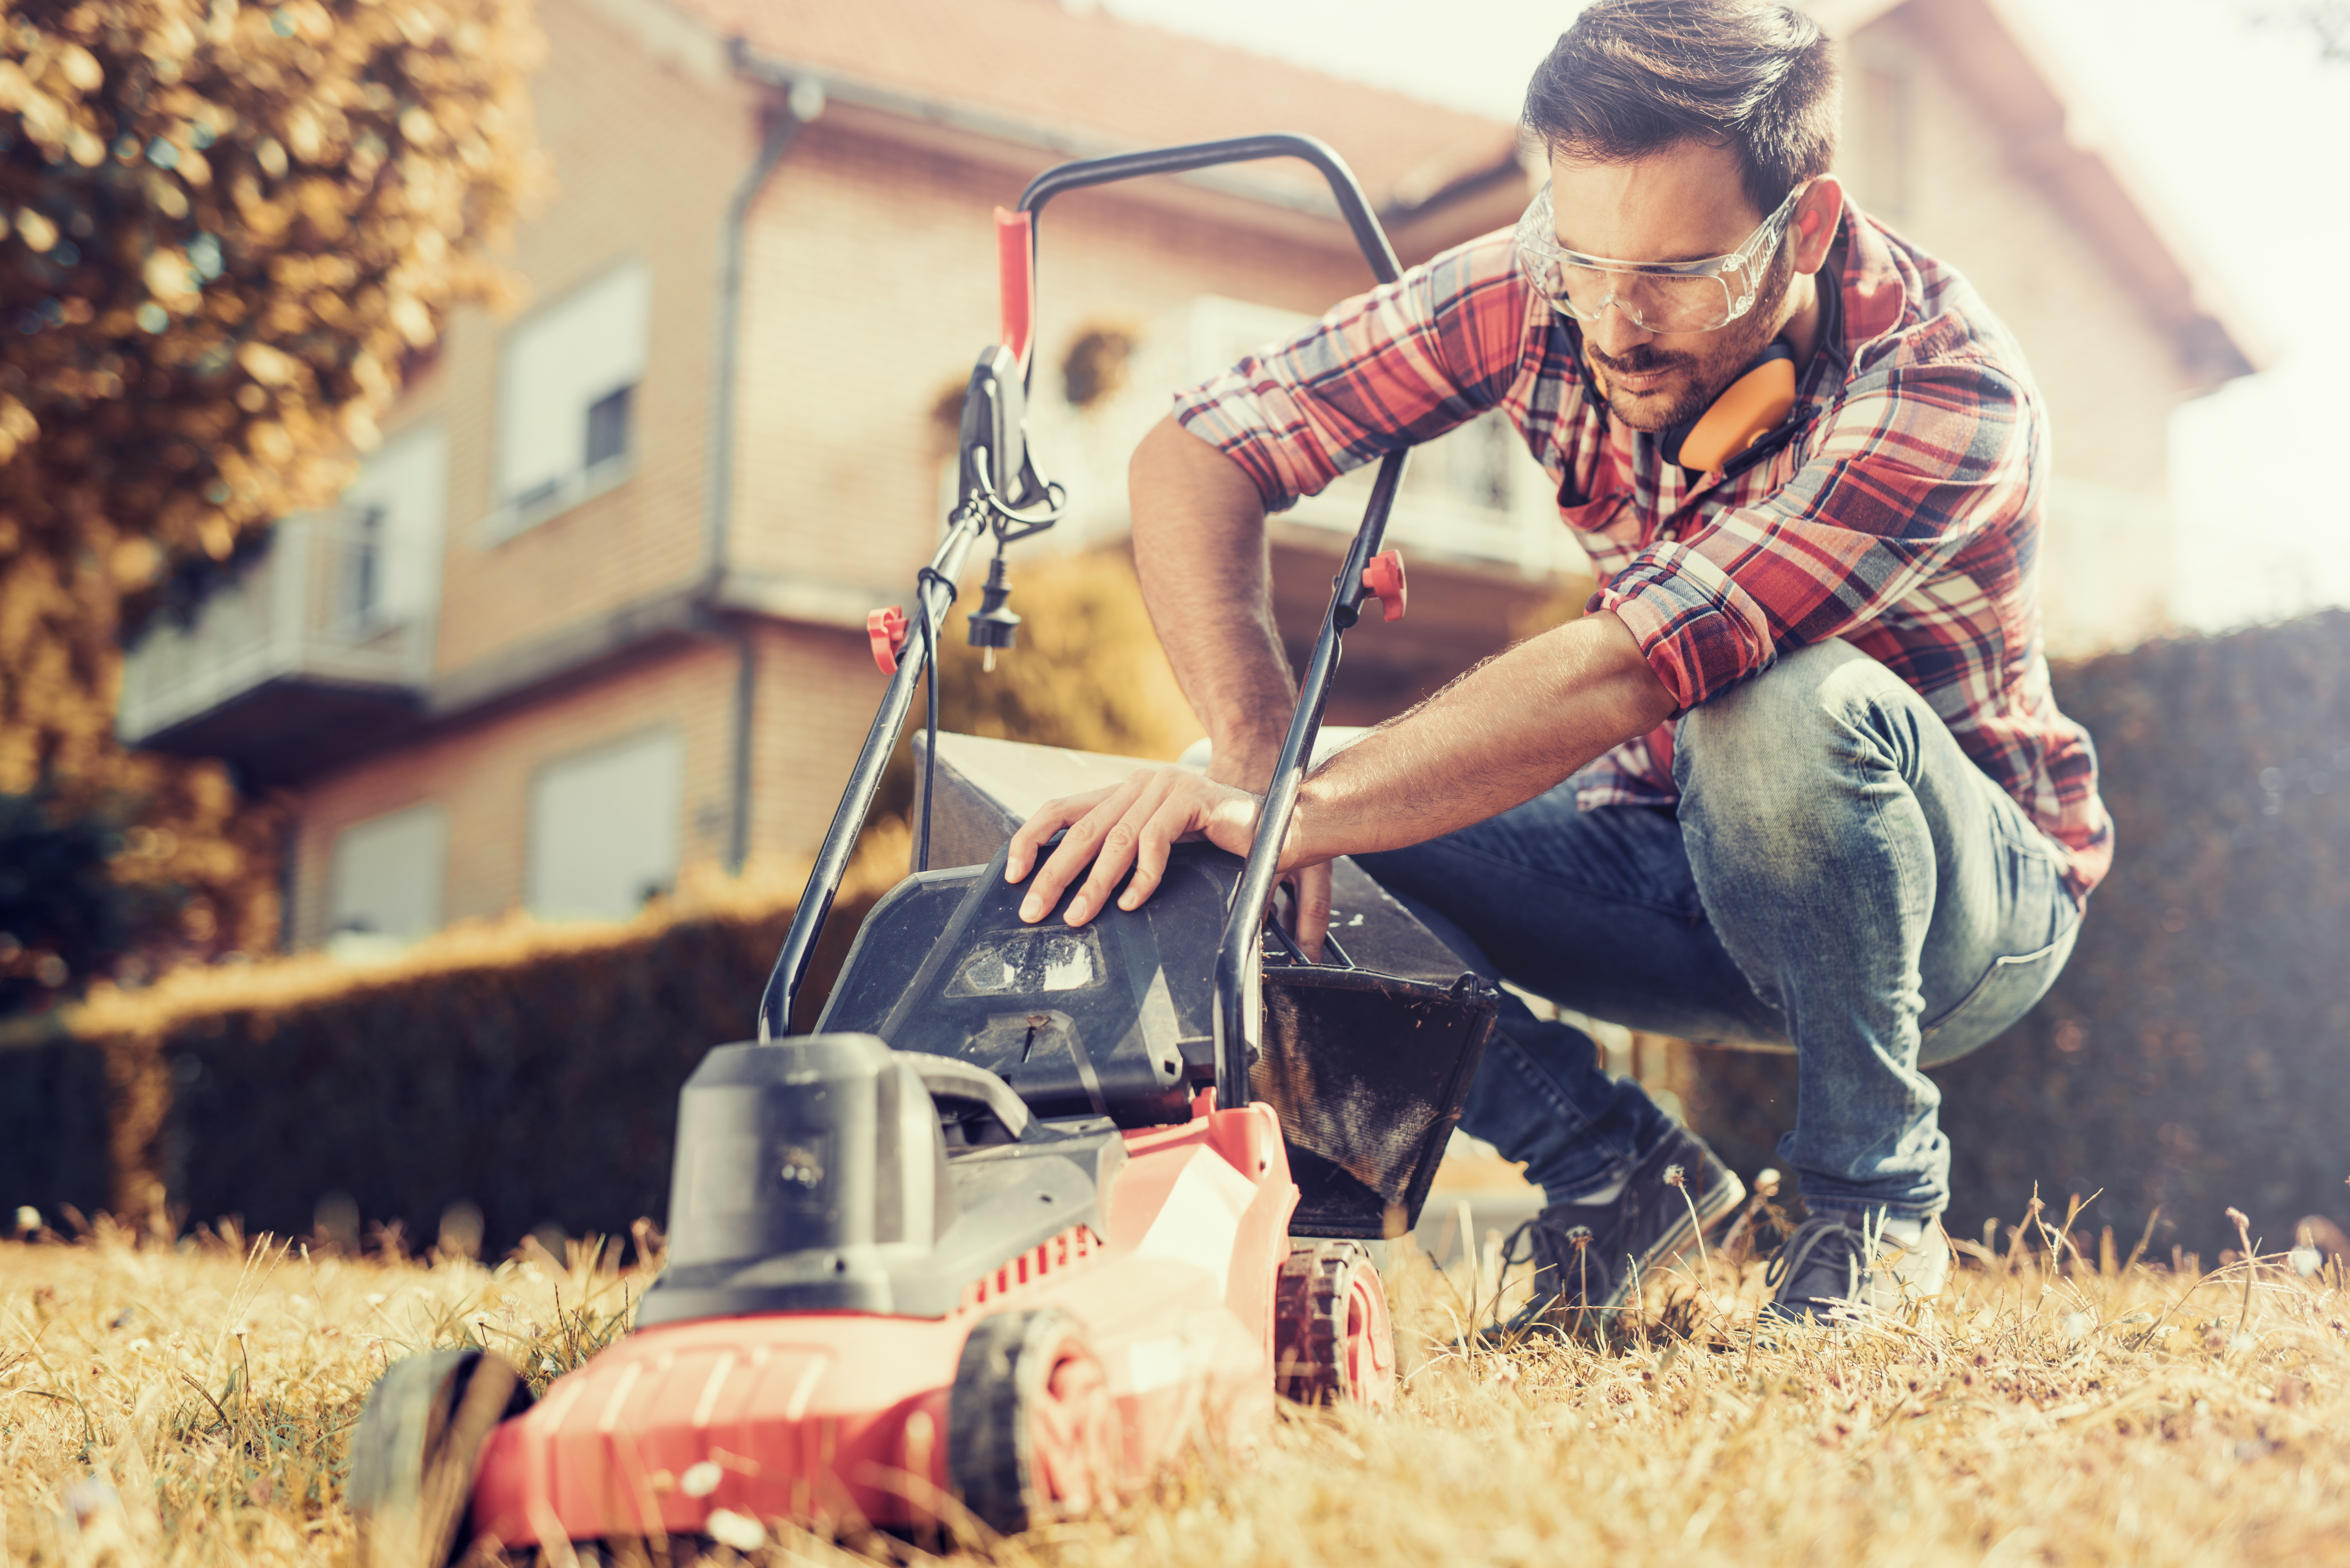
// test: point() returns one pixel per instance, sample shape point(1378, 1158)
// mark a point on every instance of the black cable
point(922, 581)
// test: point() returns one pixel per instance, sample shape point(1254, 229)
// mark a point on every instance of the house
point(1963, 131)
point(595, 609)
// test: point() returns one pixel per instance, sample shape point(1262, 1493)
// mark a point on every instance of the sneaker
point(1589, 1257)
point(1838, 1265)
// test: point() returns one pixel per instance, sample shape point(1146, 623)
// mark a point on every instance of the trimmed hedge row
point(2196, 1053)
point(540, 1089)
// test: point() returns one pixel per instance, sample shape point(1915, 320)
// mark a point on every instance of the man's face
point(1683, 203)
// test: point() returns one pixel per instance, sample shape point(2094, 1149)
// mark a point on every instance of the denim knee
point(1787, 758)
point(1754, 758)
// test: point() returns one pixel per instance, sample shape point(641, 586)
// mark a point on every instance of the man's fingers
point(1049, 819)
point(1311, 886)
point(1118, 846)
point(1132, 826)
point(1149, 860)
point(1117, 853)
point(1077, 846)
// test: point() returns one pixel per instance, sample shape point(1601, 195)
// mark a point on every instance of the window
point(386, 875)
point(604, 829)
point(388, 531)
point(608, 427)
point(567, 396)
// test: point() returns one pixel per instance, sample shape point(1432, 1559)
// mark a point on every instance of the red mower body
point(827, 1418)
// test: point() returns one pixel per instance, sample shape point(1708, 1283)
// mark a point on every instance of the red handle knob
point(886, 629)
point(1384, 579)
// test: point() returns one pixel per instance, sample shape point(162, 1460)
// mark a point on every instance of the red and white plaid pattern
point(1899, 507)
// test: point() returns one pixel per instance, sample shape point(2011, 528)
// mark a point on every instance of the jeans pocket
point(2005, 994)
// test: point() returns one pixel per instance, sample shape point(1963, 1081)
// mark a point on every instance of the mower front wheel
point(413, 1454)
point(1032, 1432)
point(1333, 1342)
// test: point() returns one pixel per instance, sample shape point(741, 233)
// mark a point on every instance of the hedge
point(529, 1070)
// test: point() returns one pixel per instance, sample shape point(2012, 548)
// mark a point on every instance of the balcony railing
point(327, 633)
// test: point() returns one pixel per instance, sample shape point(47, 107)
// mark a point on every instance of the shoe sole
point(1714, 1208)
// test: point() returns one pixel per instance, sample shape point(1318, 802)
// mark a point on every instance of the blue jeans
point(1839, 877)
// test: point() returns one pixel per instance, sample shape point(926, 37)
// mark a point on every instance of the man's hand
point(1135, 824)
point(1308, 883)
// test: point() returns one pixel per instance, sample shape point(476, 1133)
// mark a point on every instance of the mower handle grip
point(1353, 205)
point(1015, 271)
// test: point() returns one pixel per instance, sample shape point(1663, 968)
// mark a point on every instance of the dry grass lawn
point(190, 1405)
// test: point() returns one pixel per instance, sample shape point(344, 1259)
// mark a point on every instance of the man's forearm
point(1501, 735)
point(1200, 550)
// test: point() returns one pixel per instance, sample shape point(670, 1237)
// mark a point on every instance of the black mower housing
point(1367, 1056)
point(815, 1175)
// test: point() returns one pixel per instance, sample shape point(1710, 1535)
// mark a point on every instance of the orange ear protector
point(1749, 408)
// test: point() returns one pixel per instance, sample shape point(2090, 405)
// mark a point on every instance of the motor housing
point(815, 1174)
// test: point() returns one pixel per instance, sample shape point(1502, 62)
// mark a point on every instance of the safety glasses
point(1655, 296)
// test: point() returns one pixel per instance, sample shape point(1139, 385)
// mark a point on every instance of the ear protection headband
point(1753, 405)
point(1749, 408)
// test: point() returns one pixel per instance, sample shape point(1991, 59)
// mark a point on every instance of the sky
point(2235, 125)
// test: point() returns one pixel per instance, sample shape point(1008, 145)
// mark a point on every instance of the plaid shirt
point(1898, 507)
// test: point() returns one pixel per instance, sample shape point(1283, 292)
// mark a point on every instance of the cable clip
point(886, 629)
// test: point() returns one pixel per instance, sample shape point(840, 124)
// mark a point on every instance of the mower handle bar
point(934, 592)
point(1240, 958)
point(1343, 188)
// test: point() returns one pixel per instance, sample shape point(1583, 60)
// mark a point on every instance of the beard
point(1694, 377)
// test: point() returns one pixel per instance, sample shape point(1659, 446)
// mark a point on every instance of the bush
point(64, 918)
point(224, 233)
point(529, 1070)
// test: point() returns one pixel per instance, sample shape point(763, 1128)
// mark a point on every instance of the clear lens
point(1655, 303)
point(1693, 297)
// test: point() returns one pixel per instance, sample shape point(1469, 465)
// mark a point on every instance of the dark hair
point(1634, 77)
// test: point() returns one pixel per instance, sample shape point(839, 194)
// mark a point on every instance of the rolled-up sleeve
point(1399, 365)
point(1919, 462)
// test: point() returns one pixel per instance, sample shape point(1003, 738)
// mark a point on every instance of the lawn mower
point(1035, 1210)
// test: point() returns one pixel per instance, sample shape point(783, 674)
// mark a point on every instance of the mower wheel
point(1332, 1343)
point(413, 1454)
point(1032, 1433)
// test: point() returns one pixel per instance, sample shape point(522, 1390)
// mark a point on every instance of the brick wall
point(817, 692)
point(644, 151)
point(480, 774)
